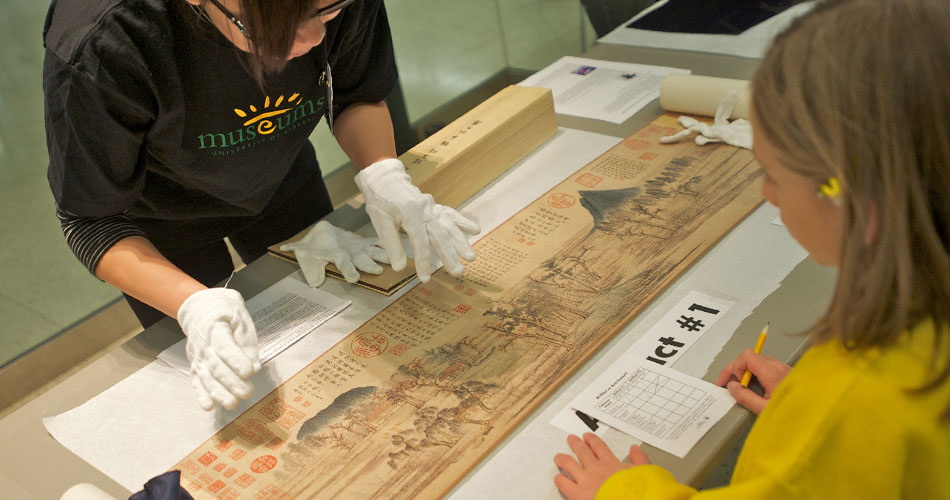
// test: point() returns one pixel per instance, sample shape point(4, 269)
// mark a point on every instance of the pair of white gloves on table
point(222, 340)
point(736, 133)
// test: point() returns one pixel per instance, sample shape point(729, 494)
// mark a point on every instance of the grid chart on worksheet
point(651, 402)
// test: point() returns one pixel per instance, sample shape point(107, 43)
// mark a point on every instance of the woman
point(172, 124)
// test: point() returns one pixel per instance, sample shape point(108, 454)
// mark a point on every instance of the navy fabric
point(164, 487)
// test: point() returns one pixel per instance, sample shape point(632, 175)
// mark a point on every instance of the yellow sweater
point(840, 426)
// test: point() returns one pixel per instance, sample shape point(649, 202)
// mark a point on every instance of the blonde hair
point(859, 90)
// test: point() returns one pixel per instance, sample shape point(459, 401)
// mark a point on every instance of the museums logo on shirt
point(258, 124)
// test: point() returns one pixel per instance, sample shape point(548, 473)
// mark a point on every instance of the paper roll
point(700, 95)
point(86, 491)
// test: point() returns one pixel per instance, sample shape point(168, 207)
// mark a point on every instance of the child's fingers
point(747, 360)
point(584, 454)
point(746, 398)
point(598, 446)
point(766, 368)
point(567, 464)
point(737, 368)
point(725, 376)
point(637, 456)
point(567, 487)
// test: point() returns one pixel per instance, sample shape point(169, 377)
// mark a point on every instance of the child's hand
point(768, 370)
point(597, 463)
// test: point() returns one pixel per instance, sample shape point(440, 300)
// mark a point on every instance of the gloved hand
point(393, 202)
point(737, 133)
point(221, 346)
point(327, 243)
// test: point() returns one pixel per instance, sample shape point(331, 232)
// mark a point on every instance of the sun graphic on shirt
point(262, 117)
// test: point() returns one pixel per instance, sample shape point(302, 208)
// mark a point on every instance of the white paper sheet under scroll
point(129, 409)
point(283, 314)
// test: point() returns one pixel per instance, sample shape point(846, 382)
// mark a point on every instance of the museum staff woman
point(172, 124)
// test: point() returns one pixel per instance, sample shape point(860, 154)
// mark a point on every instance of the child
point(851, 125)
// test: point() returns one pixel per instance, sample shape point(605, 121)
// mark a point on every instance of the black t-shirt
point(150, 111)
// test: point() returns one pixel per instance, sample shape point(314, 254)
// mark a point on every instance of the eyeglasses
point(321, 12)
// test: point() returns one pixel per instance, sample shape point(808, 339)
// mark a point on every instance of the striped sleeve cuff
point(91, 237)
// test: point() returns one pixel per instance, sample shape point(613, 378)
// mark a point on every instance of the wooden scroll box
point(465, 156)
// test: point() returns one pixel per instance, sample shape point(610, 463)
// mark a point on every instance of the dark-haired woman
point(172, 124)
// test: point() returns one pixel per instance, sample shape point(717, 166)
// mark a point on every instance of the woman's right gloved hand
point(221, 346)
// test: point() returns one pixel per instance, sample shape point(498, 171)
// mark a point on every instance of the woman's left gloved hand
point(348, 251)
point(392, 201)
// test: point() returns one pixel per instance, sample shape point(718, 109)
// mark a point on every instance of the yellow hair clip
point(831, 189)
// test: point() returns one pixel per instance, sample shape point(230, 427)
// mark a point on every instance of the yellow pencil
point(747, 376)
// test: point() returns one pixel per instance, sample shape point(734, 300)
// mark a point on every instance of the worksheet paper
point(753, 42)
point(603, 90)
point(283, 314)
point(656, 404)
point(664, 343)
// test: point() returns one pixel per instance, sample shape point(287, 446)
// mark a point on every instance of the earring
point(831, 189)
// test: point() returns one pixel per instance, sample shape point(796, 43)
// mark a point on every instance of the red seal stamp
point(245, 480)
point(636, 144)
point(561, 200)
point(656, 131)
point(190, 467)
point(368, 345)
point(282, 413)
point(216, 486)
point(255, 431)
point(275, 443)
point(207, 458)
point(648, 156)
point(263, 463)
point(588, 180)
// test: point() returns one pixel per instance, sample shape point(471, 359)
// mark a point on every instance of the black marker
point(588, 420)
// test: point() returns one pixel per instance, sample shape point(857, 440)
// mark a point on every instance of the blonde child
point(851, 126)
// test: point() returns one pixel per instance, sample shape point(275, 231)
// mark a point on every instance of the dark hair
point(277, 22)
point(271, 28)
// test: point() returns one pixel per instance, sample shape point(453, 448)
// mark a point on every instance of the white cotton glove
point(221, 346)
point(393, 202)
point(326, 243)
point(737, 133)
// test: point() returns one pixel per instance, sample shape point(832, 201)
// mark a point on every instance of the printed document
point(603, 90)
point(655, 404)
